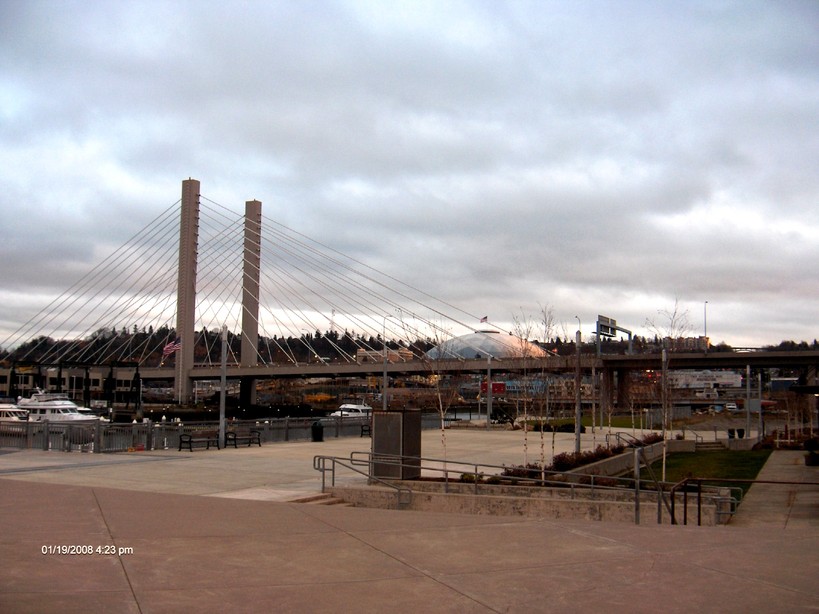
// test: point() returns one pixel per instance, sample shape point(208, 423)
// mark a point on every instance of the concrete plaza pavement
point(212, 531)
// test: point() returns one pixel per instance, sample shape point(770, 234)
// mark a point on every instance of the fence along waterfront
point(96, 436)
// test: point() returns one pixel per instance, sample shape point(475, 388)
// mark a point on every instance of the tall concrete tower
point(250, 295)
point(186, 288)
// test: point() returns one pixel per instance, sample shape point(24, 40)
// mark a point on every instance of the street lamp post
point(578, 413)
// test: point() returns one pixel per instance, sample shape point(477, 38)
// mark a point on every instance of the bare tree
point(547, 319)
point(522, 329)
point(434, 362)
point(670, 324)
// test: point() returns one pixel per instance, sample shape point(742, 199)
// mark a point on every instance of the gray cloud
point(599, 157)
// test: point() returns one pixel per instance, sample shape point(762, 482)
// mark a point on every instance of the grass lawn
point(617, 422)
point(723, 464)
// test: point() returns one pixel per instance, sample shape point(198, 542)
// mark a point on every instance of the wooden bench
point(251, 436)
point(197, 438)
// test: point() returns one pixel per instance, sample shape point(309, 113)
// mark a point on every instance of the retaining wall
point(553, 503)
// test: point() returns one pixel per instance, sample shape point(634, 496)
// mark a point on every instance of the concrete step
point(321, 499)
point(704, 446)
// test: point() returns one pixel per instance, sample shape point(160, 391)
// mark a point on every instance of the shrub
point(565, 461)
point(568, 427)
point(470, 477)
point(652, 438)
point(532, 470)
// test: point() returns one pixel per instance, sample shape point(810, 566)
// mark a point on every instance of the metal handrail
point(547, 478)
point(640, 451)
point(320, 464)
point(626, 439)
point(697, 436)
point(733, 500)
point(665, 497)
point(540, 477)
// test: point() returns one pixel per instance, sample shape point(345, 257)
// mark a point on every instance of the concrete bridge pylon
point(186, 290)
point(250, 296)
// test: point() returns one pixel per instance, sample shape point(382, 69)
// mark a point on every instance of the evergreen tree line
point(145, 347)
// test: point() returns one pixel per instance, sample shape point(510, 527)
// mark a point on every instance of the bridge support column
point(250, 296)
point(812, 404)
point(186, 288)
point(623, 388)
point(247, 392)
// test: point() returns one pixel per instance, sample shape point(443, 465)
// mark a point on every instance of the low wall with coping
point(623, 464)
point(541, 502)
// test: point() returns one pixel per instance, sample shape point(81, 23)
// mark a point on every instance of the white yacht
point(52, 406)
point(11, 413)
point(352, 410)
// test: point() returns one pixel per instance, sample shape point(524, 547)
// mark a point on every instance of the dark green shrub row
point(566, 461)
point(651, 438)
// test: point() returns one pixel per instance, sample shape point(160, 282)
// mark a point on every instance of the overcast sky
point(596, 157)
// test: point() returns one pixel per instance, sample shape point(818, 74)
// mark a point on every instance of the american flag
point(172, 347)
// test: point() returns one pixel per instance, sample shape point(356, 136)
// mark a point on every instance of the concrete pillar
point(186, 288)
point(623, 388)
point(811, 380)
point(250, 294)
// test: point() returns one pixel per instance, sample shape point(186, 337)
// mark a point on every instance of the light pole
point(577, 397)
point(223, 387)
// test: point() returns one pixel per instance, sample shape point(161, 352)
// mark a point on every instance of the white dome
point(483, 344)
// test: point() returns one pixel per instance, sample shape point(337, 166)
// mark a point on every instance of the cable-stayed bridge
point(290, 305)
point(160, 306)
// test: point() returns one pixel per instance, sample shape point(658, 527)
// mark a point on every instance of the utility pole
point(664, 396)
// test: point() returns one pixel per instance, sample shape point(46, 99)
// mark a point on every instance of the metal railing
point(403, 494)
point(625, 439)
point(697, 437)
point(731, 500)
point(481, 476)
point(97, 436)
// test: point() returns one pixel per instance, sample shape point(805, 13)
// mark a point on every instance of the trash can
point(740, 433)
point(731, 433)
point(317, 429)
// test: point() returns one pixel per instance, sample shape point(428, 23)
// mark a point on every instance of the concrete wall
point(623, 464)
point(554, 503)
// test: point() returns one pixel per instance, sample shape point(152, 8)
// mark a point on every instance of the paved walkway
point(159, 545)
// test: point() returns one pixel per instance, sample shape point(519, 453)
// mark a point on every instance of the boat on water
point(9, 412)
point(352, 410)
point(52, 406)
